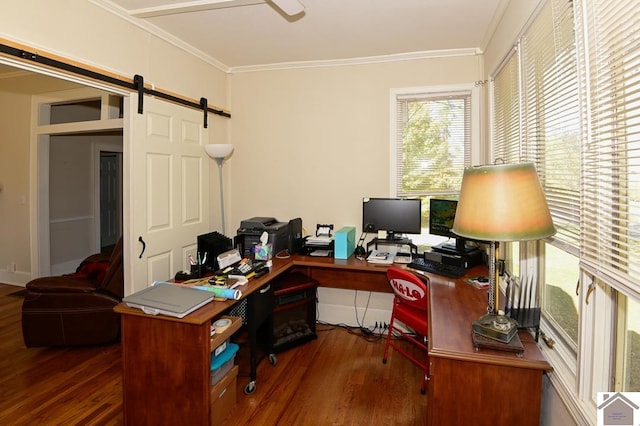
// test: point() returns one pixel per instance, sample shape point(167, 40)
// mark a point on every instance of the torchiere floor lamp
point(220, 151)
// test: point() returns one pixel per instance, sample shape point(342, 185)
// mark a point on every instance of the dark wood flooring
point(337, 379)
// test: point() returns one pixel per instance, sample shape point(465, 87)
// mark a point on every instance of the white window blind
point(506, 111)
point(551, 116)
point(611, 185)
point(433, 142)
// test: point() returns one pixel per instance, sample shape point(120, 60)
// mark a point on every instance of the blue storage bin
point(223, 362)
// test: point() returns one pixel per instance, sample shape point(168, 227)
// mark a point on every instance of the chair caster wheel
point(250, 388)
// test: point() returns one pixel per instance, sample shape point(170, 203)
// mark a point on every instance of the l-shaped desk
point(166, 361)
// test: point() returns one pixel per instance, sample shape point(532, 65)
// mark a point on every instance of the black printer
point(250, 230)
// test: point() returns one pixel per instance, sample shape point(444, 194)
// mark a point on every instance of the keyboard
point(451, 271)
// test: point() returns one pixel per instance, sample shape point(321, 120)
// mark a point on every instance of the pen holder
point(198, 271)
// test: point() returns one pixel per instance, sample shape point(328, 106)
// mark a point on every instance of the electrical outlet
point(11, 267)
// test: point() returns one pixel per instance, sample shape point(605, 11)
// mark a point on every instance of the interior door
point(110, 198)
point(169, 203)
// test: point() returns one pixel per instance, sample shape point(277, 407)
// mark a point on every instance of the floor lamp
point(501, 202)
point(220, 151)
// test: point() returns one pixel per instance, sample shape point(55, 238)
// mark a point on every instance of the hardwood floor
point(338, 379)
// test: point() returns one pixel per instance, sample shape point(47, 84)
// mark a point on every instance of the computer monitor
point(396, 216)
point(441, 216)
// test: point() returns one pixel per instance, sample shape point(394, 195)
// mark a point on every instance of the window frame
point(476, 130)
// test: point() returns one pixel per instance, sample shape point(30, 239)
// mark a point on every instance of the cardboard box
point(344, 242)
point(223, 396)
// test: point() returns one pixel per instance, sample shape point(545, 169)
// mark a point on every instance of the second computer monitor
point(441, 216)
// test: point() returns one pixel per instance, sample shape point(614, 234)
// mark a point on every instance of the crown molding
point(409, 56)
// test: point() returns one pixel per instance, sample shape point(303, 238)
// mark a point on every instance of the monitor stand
point(395, 241)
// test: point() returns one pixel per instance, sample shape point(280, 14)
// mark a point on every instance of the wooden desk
point(166, 361)
point(485, 386)
point(350, 274)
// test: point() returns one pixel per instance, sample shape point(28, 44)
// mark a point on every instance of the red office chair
point(410, 308)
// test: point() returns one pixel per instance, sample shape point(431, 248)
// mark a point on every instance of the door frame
point(40, 162)
point(39, 166)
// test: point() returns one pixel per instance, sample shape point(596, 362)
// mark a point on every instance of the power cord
point(368, 335)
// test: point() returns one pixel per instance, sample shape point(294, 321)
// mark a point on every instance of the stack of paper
point(384, 257)
point(322, 240)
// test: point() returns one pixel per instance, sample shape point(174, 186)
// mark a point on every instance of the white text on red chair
point(407, 289)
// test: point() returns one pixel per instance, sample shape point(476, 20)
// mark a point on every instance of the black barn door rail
point(135, 85)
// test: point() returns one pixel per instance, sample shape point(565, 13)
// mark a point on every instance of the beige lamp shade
point(218, 150)
point(502, 202)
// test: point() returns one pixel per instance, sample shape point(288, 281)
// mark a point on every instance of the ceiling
point(238, 35)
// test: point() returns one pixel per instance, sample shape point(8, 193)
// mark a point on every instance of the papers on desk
point(382, 256)
point(321, 240)
point(321, 253)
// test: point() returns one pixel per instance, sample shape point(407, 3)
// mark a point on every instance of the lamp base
point(496, 327)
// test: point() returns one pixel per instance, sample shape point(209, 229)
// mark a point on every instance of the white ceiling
point(254, 34)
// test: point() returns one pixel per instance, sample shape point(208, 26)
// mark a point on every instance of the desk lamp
point(501, 202)
point(220, 151)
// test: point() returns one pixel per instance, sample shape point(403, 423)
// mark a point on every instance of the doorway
point(110, 208)
point(81, 192)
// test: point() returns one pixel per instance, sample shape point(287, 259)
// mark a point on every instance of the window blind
point(506, 111)
point(551, 115)
point(433, 142)
point(611, 184)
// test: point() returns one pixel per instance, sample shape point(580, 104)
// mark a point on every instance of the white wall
point(312, 142)
point(14, 179)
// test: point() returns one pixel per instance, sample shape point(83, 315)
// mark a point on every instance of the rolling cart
point(256, 310)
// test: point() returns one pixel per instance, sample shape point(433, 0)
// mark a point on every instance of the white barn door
point(169, 192)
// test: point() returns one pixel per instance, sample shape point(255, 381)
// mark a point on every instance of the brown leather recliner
point(76, 309)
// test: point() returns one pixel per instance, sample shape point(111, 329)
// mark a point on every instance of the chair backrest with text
point(408, 288)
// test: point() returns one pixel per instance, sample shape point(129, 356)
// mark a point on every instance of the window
point(551, 139)
point(536, 119)
point(568, 99)
point(432, 129)
point(560, 304)
point(628, 331)
point(611, 184)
